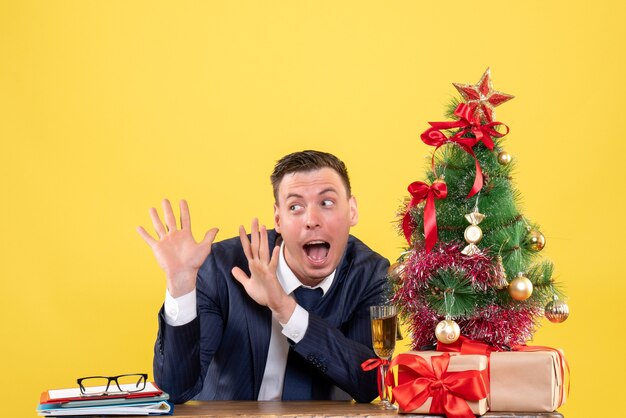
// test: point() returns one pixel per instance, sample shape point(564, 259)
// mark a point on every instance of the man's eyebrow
point(328, 189)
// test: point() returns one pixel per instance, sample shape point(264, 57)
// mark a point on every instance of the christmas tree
point(472, 265)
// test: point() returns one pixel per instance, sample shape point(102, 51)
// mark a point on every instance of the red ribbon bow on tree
point(450, 391)
point(467, 124)
point(421, 191)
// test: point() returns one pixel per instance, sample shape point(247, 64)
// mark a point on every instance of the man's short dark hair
point(303, 161)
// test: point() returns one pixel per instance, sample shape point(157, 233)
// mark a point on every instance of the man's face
point(314, 215)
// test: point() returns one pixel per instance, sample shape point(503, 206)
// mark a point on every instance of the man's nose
point(313, 219)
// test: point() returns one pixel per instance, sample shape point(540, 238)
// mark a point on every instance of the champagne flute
point(384, 325)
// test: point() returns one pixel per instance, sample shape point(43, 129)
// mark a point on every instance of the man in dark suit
point(280, 314)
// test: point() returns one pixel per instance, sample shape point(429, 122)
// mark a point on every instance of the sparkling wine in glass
point(384, 325)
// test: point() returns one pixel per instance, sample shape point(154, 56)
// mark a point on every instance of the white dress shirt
point(182, 310)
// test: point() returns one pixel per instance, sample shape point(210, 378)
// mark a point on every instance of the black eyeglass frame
point(141, 384)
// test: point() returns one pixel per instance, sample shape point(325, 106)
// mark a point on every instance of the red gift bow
point(375, 363)
point(450, 391)
point(420, 191)
point(467, 124)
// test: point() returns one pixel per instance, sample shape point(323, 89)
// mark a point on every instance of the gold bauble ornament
point(535, 240)
point(504, 158)
point(520, 287)
point(447, 331)
point(556, 311)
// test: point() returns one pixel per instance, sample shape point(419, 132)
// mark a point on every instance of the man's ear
point(354, 211)
point(276, 218)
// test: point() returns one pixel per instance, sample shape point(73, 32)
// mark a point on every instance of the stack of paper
point(69, 402)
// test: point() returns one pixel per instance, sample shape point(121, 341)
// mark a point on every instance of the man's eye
point(327, 202)
point(294, 207)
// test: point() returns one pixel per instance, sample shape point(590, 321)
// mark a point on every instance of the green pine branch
point(450, 292)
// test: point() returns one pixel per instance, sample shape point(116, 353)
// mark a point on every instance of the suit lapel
point(343, 269)
point(336, 295)
point(259, 320)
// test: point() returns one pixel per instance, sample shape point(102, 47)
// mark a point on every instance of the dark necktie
point(297, 384)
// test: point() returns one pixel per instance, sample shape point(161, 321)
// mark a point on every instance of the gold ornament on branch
point(520, 287)
point(501, 282)
point(504, 158)
point(535, 240)
point(447, 331)
point(556, 310)
point(396, 271)
point(473, 234)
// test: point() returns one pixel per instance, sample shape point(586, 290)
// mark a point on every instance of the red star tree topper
point(482, 98)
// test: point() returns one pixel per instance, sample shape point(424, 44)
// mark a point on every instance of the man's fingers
point(168, 215)
point(274, 260)
point(254, 238)
point(264, 251)
point(185, 219)
point(209, 236)
point(146, 237)
point(156, 223)
point(245, 243)
point(240, 276)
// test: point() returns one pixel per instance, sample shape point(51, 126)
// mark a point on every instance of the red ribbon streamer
point(377, 363)
point(421, 191)
point(465, 345)
point(467, 124)
point(450, 391)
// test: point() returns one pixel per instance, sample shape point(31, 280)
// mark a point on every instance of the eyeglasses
point(124, 384)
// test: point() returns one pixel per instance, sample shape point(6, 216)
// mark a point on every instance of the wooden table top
point(311, 409)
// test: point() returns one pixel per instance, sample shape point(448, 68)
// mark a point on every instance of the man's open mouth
point(317, 251)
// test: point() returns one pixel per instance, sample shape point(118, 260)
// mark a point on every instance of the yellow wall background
point(108, 106)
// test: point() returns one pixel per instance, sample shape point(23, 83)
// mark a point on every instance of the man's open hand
point(263, 285)
point(176, 251)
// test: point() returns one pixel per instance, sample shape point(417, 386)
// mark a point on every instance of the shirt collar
point(290, 282)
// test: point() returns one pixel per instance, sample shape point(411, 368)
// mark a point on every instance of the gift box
point(529, 381)
point(441, 383)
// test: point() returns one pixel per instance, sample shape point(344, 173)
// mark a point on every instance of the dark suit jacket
point(222, 353)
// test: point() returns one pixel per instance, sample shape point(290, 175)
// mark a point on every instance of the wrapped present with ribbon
point(441, 383)
point(530, 381)
point(526, 379)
